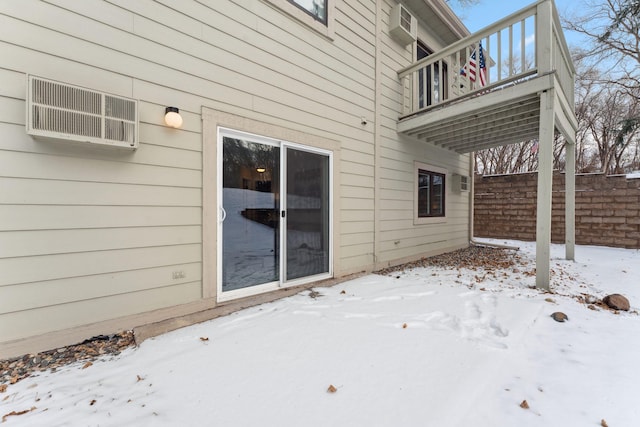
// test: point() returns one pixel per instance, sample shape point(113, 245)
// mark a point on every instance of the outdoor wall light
point(260, 170)
point(172, 117)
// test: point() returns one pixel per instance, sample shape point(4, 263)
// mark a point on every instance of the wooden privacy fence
point(607, 209)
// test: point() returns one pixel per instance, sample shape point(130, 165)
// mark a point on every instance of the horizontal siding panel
point(396, 215)
point(16, 139)
point(107, 13)
point(12, 111)
point(314, 119)
point(348, 179)
point(393, 195)
point(407, 224)
point(45, 242)
point(354, 216)
point(81, 51)
point(356, 204)
point(162, 135)
point(50, 267)
point(28, 165)
point(59, 317)
point(48, 192)
point(204, 60)
point(351, 156)
point(348, 251)
point(347, 192)
point(423, 249)
point(12, 84)
point(357, 262)
point(53, 217)
point(356, 239)
point(54, 292)
point(356, 227)
point(430, 231)
point(56, 68)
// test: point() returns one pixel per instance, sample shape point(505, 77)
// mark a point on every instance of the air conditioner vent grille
point(119, 130)
point(66, 112)
point(65, 121)
point(120, 108)
point(58, 95)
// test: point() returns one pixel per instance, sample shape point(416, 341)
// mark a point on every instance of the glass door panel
point(307, 213)
point(251, 218)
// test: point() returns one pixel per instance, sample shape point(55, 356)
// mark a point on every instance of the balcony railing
point(524, 45)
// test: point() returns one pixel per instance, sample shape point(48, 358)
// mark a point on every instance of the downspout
point(376, 137)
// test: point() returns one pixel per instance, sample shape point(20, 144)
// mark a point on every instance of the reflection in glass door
point(307, 213)
point(275, 213)
point(250, 203)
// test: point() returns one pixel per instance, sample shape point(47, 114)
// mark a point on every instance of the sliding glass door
point(275, 213)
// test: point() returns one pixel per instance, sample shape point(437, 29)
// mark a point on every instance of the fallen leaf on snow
point(139, 378)
point(404, 326)
point(331, 389)
point(343, 292)
point(86, 365)
point(204, 338)
point(603, 423)
point(524, 405)
point(3, 388)
point(93, 402)
point(5, 416)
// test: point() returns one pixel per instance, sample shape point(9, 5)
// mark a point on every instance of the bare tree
point(608, 83)
point(612, 27)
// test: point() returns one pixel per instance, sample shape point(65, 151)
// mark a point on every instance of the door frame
point(282, 283)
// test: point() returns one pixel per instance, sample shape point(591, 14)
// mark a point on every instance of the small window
point(316, 8)
point(430, 190)
point(429, 92)
point(316, 14)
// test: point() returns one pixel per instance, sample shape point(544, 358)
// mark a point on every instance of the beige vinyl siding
point(88, 235)
point(399, 237)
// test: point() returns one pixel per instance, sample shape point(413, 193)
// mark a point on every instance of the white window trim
point(429, 220)
point(299, 14)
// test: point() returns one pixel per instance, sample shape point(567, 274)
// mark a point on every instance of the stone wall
point(607, 209)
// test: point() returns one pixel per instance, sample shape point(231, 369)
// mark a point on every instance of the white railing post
point(544, 37)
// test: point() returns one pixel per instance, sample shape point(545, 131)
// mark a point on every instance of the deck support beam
point(545, 186)
point(570, 199)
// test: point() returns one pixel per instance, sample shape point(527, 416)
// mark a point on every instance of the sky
point(423, 346)
point(487, 12)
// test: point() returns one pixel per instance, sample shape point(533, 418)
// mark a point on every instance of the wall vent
point(71, 113)
point(403, 26)
point(460, 183)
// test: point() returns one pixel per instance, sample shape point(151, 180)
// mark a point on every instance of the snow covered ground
point(423, 347)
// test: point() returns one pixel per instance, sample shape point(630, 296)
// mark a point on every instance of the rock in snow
point(616, 302)
point(559, 316)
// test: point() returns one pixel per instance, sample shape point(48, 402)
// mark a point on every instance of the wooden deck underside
point(498, 116)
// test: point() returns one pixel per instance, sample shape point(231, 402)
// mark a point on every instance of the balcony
point(526, 92)
point(525, 54)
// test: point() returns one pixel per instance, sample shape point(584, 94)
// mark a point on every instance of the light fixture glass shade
point(172, 117)
point(260, 170)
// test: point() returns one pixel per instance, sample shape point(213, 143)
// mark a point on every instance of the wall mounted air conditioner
point(403, 26)
point(65, 112)
point(460, 183)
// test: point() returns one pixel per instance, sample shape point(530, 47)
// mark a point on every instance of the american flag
point(472, 68)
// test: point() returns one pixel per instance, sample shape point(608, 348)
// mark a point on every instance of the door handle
point(223, 214)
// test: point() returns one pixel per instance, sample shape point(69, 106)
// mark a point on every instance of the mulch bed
point(472, 257)
point(14, 370)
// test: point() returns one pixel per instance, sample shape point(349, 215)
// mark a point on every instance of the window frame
point(440, 94)
point(294, 10)
point(433, 171)
point(324, 20)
